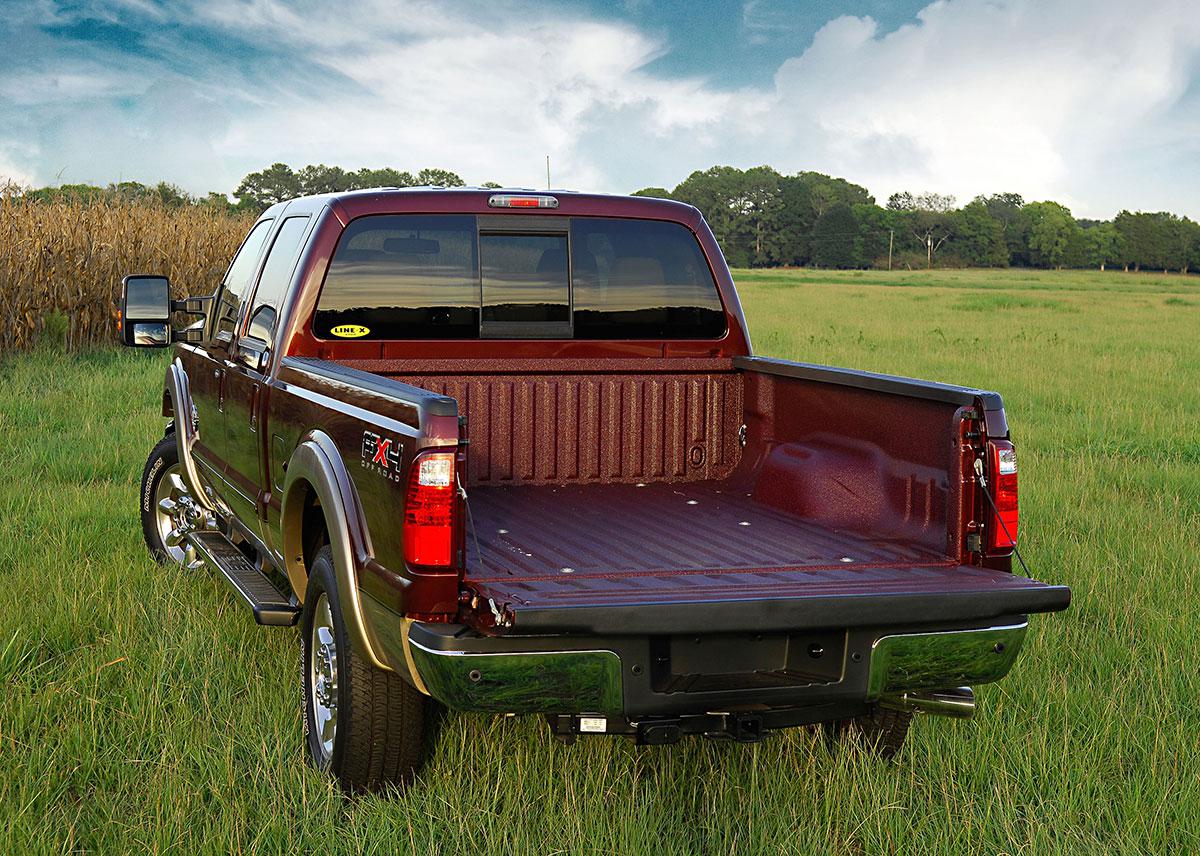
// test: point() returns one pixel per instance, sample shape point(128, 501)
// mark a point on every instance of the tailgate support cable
point(988, 495)
point(462, 491)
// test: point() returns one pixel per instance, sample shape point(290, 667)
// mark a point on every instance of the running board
point(270, 606)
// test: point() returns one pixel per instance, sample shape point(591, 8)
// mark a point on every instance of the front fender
point(316, 465)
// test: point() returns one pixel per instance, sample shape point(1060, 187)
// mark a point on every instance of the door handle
point(254, 410)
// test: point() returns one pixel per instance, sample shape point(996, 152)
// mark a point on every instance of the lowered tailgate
point(703, 557)
point(772, 599)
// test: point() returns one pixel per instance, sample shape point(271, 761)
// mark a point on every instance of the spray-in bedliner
point(606, 558)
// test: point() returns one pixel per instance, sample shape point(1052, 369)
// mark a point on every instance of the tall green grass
point(142, 710)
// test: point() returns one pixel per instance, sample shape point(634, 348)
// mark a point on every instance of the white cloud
point(10, 174)
point(981, 97)
point(489, 100)
point(1076, 100)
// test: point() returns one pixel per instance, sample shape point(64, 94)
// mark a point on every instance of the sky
point(1093, 103)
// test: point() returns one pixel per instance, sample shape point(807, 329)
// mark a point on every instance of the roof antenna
point(547, 172)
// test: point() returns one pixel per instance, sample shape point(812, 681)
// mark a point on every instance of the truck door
point(206, 363)
point(246, 378)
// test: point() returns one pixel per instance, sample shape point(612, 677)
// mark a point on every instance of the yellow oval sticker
point(349, 331)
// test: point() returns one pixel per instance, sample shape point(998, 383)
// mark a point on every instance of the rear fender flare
point(316, 465)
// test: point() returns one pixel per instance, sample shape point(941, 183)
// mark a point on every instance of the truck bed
point(606, 558)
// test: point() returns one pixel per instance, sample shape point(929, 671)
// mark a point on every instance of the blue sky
point(1095, 103)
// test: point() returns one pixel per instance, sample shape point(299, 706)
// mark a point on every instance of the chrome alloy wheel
point(323, 675)
point(176, 514)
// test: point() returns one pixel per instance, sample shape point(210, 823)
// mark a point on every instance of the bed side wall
point(856, 459)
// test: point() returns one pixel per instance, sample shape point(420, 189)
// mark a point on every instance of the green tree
point(171, 195)
point(929, 231)
point(741, 207)
point(834, 236)
point(68, 192)
point(1180, 240)
point(128, 191)
point(1101, 245)
point(1146, 240)
point(1053, 234)
point(273, 184)
point(1008, 210)
point(319, 178)
point(875, 226)
point(803, 198)
point(385, 177)
point(439, 178)
point(717, 192)
point(979, 237)
point(924, 222)
point(656, 192)
point(758, 201)
point(217, 202)
point(1193, 244)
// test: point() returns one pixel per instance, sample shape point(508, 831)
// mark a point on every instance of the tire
point(378, 734)
point(163, 460)
point(881, 732)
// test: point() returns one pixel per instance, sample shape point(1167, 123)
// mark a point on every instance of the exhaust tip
point(958, 703)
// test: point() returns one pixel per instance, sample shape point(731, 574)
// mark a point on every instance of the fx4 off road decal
point(381, 454)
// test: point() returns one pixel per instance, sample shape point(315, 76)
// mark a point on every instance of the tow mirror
point(144, 319)
point(144, 315)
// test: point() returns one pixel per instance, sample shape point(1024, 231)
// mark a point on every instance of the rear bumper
point(633, 676)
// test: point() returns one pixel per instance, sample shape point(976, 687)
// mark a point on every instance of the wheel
point(166, 506)
point(364, 725)
point(881, 732)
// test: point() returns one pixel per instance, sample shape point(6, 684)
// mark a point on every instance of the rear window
point(639, 279)
point(402, 277)
point(459, 277)
point(526, 286)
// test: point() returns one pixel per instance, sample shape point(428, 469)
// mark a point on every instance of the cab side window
point(276, 276)
point(237, 280)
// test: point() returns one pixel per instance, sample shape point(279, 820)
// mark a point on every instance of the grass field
point(143, 711)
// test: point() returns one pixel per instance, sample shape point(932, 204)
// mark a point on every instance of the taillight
point(429, 511)
point(1004, 494)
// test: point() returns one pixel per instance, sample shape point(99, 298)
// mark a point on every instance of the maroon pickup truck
point(510, 451)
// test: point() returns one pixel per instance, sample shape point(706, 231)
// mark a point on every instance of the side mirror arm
point(192, 305)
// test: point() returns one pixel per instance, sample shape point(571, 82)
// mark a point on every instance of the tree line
point(256, 192)
point(763, 218)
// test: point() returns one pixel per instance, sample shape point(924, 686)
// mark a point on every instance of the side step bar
point(270, 606)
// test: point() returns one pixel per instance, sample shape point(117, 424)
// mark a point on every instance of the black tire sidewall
point(323, 580)
point(163, 456)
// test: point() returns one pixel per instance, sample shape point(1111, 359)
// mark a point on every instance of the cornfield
point(68, 257)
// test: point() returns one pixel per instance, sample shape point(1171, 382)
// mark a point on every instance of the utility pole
point(891, 241)
point(547, 172)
